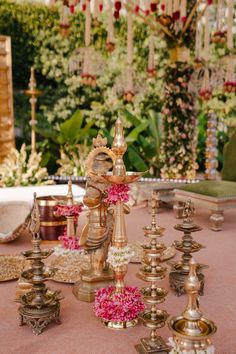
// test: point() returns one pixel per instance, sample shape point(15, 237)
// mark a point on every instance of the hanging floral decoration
point(117, 192)
point(119, 256)
point(119, 307)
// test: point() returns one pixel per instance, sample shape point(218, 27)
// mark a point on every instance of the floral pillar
point(178, 150)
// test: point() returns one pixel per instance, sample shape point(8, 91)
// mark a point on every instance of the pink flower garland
point(70, 242)
point(68, 210)
point(117, 192)
point(118, 307)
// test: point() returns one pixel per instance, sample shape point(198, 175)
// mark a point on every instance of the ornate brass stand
point(96, 235)
point(192, 331)
point(40, 306)
point(187, 246)
point(119, 236)
point(151, 271)
point(33, 92)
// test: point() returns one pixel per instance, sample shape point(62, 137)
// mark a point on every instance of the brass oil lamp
point(40, 306)
point(191, 331)
point(119, 175)
point(151, 271)
point(187, 246)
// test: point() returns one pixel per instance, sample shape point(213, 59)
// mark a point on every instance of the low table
point(213, 195)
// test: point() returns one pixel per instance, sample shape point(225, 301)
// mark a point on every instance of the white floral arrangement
point(176, 350)
point(62, 251)
point(20, 170)
point(119, 256)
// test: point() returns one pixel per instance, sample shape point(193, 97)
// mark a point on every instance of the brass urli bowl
point(49, 298)
point(206, 328)
point(29, 275)
point(160, 294)
point(35, 255)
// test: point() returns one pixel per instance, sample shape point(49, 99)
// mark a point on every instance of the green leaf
point(71, 127)
point(131, 118)
point(48, 133)
point(136, 160)
point(133, 135)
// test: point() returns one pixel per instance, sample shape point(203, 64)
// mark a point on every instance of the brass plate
point(10, 267)
point(69, 267)
point(138, 250)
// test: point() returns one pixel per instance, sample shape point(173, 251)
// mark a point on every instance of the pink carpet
point(82, 333)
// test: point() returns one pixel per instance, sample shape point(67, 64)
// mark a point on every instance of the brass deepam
point(187, 246)
point(119, 175)
point(191, 331)
point(33, 92)
point(40, 306)
point(151, 271)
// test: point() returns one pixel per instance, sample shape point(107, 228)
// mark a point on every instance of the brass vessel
point(180, 269)
point(192, 331)
point(151, 271)
point(40, 305)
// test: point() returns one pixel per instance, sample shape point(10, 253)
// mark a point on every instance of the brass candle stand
point(180, 269)
point(120, 176)
point(151, 271)
point(191, 331)
point(40, 306)
point(33, 92)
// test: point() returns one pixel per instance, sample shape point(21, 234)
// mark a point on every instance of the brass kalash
point(40, 306)
point(187, 246)
point(96, 235)
point(151, 271)
point(192, 332)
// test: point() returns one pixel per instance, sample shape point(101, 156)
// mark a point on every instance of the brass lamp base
point(149, 346)
point(177, 281)
point(86, 287)
point(120, 324)
point(38, 319)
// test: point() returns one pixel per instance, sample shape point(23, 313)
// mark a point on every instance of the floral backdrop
point(36, 39)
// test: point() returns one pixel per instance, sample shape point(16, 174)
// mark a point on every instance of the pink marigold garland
point(118, 307)
point(117, 192)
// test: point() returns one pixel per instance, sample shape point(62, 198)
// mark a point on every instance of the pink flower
point(124, 306)
point(176, 15)
point(117, 192)
point(68, 210)
point(70, 242)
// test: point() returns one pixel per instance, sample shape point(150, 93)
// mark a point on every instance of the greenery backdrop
point(34, 30)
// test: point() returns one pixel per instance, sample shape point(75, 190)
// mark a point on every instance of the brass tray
point(69, 267)
point(11, 267)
